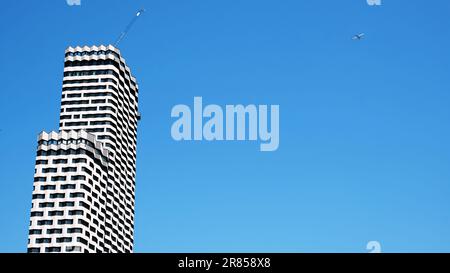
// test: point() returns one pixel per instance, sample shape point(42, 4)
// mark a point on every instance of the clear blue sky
point(364, 129)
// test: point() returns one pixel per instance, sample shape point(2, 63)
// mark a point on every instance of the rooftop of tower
point(86, 53)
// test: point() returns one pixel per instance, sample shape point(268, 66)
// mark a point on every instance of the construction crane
point(124, 33)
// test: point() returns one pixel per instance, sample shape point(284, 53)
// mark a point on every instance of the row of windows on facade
point(127, 103)
point(55, 249)
point(90, 53)
point(81, 102)
point(92, 101)
point(66, 169)
point(72, 187)
point(70, 230)
point(97, 72)
point(80, 151)
point(118, 239)
point(86, 206)
point(59, 195)
point(61, 222)
point(94, 108)
point(92, 130)
point(90, 87)
point(119, 105)
point(100, 108)
point(63, 204)
point(80, 221)
point(131, 134)
point(76, 212)
point(92, 62)
point(104, 62)
point(89, 116)
point(59, 240)
point(123, 102)
point(88, 189)
point(59, 178)
point(56, 213)
point(77, 195)
point(97, 101)
point(97, 53)
point(95, 221)
point(90, 81)
point(66, 141)
point(76, 249)
point(75, 141)
point(91, 73)
point(64, 187)
point(53, 213)
point(64, 178)
point(89, 95)
point(99, 130)
point(112, 62)
point(94, 123)
point(127, 127)
point(131, 141)
point(63, 161)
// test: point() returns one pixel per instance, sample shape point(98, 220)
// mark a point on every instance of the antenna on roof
point(124, 33)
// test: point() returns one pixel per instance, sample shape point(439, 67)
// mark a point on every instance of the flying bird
point(358, 37)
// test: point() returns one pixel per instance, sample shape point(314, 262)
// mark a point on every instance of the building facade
point(84, 182)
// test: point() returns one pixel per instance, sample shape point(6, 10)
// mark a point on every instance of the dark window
point(40, 179)
point(48, 187)
point(45, 222)
point(43, 240)
point(37, 213)
point(74, 230)
point(58, 178)
point(84, 223)
point(65, 222)
point(54, 231)
point(35, 231)
point(57, 195)
point(59, 161)
point(78, 177)
point(49, 170)
point(67, 204)
point(79, 160)
point(77, 95)
point(76, 212)
point(46, 205)
point(73, 249)
point(68, 186)
point(56, 213)
point(43, 162)
point(38, 196)
point(52, 249)
point(81, 240)
point(34, 250)
point(64, 240)
point(77, 194)
point(69, 169)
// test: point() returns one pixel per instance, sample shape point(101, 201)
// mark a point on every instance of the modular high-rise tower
point(84, 181)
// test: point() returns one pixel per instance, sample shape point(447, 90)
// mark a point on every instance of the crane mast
point(127, 29)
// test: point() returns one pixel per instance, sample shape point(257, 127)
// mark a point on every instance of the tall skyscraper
point(84, 181)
